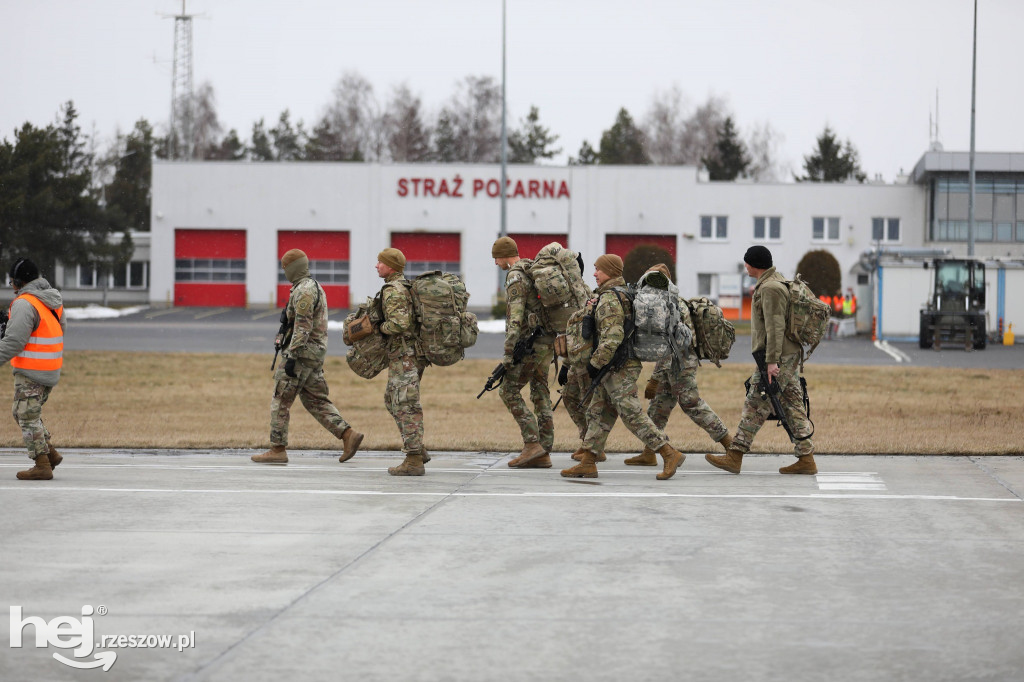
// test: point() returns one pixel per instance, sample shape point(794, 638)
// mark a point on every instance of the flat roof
point(960, 162)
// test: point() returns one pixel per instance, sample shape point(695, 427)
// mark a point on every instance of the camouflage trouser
point(311, 388)
point(29, 398)
point(572, 393)
point(402, 398)
point(617, 397)
point(534, 369)
point(680, 385)
point(756, 410)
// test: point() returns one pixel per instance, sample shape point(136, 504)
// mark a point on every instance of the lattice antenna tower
point(182, 101)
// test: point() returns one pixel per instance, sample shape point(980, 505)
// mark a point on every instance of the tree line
point(61, 196)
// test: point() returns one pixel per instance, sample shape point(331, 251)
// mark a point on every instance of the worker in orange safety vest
point(33, 342)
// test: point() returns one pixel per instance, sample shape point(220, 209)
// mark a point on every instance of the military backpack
point(368, 353)
point(714, 335)
point(559, 282)
point(658, 327)
point(444, 328)
point(808, 317)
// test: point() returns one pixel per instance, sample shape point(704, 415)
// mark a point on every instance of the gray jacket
point(24, 320)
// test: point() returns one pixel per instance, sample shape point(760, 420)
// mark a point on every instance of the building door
point(530, 244)
point(209, 268)
point(429, 251)
point(328, 254)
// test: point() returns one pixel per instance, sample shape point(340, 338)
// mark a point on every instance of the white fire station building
point(220, 228)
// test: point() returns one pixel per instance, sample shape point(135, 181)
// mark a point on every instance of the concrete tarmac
point(878, 568)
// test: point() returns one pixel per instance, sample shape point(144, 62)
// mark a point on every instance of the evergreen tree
point(587, 156)
point(532, 141)
point(230, 148)
point(445, 143)
point(623, 143)
point(832, 162)
point(729, 159)
point(260, 148)
point(408, 137)
point(288, 141)
point(129, 191)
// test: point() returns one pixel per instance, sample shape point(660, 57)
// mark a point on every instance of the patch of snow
point(98, 312)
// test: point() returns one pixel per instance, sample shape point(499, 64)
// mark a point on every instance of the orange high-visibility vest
point(45, 348)
point(853, 305)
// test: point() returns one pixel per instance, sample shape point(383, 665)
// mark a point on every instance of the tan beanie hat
point(609, 264)
point(393, 258)
point(505, 247)
point(662, 268)
point(291, 256)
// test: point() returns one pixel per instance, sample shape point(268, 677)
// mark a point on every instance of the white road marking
point(50, 490)
point(895, 353)
point(850, 480)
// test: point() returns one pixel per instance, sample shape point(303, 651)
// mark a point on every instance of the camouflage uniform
point(307, 346)
point(678, 383)
point(616, 396)
point(768, 332)
point(405, 368)
point(522, 316)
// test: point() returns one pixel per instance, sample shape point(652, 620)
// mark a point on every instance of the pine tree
point(729, 159)
point(832, 162)
point(623, 143)
point(532, 141)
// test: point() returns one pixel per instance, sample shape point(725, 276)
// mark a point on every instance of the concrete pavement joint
point(996, 477)
point(223, 656)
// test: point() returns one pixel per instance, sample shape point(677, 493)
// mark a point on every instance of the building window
point(767, 228)
point(704, 284)
point(825, 229)
point(885, 230)
point(217, 270)
point(415, 268)
point(323, 271)
point(998, 209)
point(714, 228)
point(138, 274)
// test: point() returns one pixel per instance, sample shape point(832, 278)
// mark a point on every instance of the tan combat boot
point(351, 440)
point(731, 461)
point(412, 465)
point(426, 456)
point(40, 471)
point(673, 460)
point(803, 465)
point(54, 456)
point(647, 458)
point(531, 451)
point(587, 468)
point(275, 455)
point(538, 463)
point(726, 442)
point(601, 456)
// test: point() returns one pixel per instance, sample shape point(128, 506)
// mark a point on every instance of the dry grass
point(148, 400)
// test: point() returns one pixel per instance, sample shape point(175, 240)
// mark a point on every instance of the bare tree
point(663, 127)
point(407, 135)
point(475, 115)
point(763, 144)
point(206, 127)
point(354, 121)
point(700, 130)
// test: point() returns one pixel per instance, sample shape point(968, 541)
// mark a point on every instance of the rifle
point(770, 389)
point(522, 348)
point(4, 318)
point(596, 382)
point(282, 336)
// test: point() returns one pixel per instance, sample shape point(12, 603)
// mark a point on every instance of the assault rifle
point(770, 390)
point(522, 348)
point(4, 318)
point(282, 338)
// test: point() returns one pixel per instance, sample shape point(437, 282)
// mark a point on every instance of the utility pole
point(182, 105)
point(503, 229)
point(974, 78)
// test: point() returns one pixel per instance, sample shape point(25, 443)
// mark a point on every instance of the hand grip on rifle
point(281, 339)
point(494, 380)
point(770, 390)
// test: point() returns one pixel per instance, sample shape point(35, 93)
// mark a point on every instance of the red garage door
point(530, 244)
point(328, 263)
point(425, 252)
point(209, 268)
point(621, 244)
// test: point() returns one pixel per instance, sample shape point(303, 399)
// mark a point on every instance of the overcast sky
point(868, 68)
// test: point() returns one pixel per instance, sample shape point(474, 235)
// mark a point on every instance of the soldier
point(405, 368)
point(768, 321)
point(616, 395)
point(676, 381)
point(34, 343)
point(522, 317)
point(302, 374)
